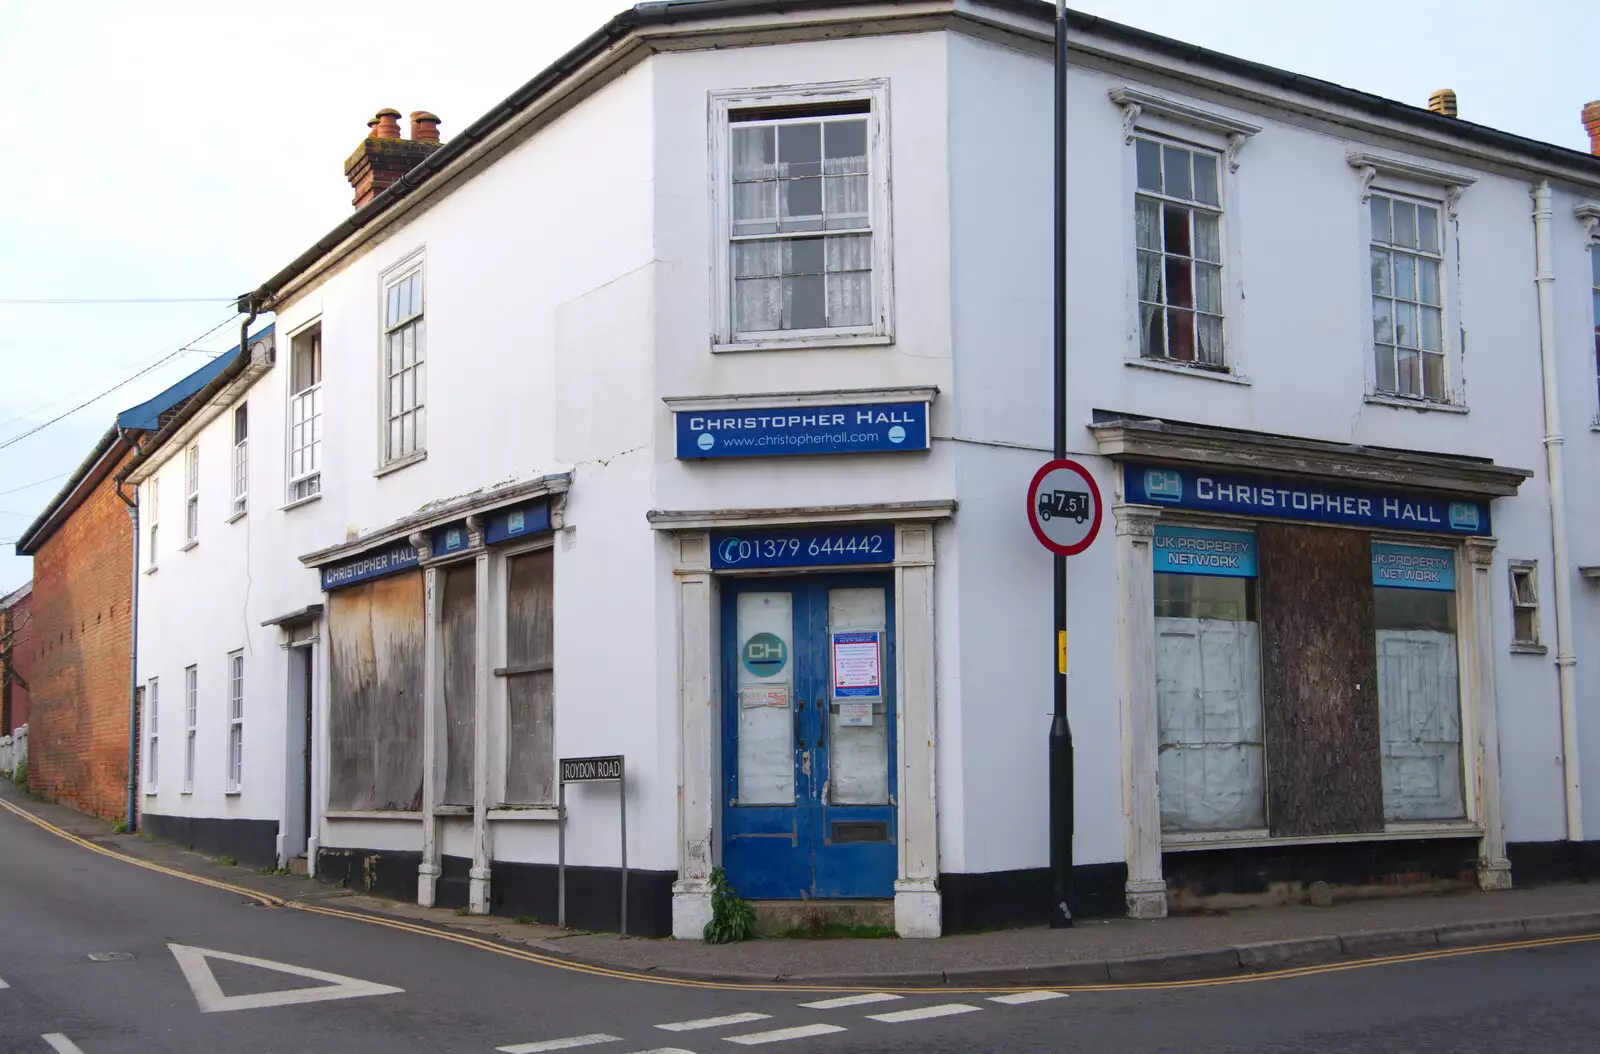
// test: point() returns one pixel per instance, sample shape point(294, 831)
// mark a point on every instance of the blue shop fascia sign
point(501, 525)
point(1204, 491)
point(777, 431)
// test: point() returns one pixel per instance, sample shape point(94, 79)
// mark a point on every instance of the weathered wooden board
point(530, 692)
point(1319, 681)
point(459, 636)
point(375, 633)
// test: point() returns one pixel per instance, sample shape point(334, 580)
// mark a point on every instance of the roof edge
point(63, 504)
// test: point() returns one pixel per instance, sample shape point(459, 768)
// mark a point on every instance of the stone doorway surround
point(1163, 442)
point(917, 910)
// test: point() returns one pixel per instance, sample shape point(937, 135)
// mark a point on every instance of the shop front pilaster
point(1146, 889)
point(1494, 868)
point(917, 907)
point(697, 715)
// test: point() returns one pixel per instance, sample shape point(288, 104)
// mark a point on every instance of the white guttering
point(1545, 280)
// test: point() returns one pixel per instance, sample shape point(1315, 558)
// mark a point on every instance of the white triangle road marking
point(209, 994)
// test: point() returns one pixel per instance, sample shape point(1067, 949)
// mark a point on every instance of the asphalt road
point(60, 904)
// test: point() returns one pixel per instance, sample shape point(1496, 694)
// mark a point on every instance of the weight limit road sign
point(1064, 507)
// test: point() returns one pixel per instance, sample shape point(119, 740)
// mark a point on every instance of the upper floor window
point(305, 415)
point(152, 493)
point(1178, 231)
point(405, 352)
point(241, 461)
point(1407, 297)
point(191, 498)
point(803, 208)
point(1594, 266)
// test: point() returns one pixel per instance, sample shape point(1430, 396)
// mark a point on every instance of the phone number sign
point(803, 547)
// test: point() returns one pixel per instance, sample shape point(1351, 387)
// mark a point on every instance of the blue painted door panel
point(810, 847)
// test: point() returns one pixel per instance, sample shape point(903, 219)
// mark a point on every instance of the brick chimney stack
point(1591, 124)
point(383, 156)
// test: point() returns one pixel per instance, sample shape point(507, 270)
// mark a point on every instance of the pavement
point(119, 945)
point(1094, 952)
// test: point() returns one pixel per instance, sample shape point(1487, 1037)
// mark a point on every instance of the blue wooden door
point(809, 737)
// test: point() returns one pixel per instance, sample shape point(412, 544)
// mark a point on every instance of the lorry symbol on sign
point(1073, 504)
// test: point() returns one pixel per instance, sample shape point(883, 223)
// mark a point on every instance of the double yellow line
point(554, 962)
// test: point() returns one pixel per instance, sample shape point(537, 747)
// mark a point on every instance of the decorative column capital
point(474, 531)
point(1480, 551)
point(1136, 521)
point(423, 543)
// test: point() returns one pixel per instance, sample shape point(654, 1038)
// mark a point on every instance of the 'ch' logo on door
point(765, 654)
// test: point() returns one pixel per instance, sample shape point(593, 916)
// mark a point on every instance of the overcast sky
point(192, 149)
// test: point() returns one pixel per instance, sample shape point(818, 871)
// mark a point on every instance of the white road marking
point(559, 1044)
point(712, 1022)
point(209, 994)
point(3, 983)
point(664, 1050)
point(778, 1035)
point(922, 1013)
point(850, 1000)
point(1017, 998)
point(61, 1044)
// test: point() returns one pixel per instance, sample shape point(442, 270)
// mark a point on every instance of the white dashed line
point(850, 1000)
point(61, 1044)
point(922, 1013)
point(559, 1044)
point(778, 1035)
point(713, 1022)
point(1016, 998)
point(664, 1050)
point(3, 983)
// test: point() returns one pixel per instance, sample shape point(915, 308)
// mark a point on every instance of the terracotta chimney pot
point(1443, 102)
point(1591, 124)
point(424, 127)
point(386, 125)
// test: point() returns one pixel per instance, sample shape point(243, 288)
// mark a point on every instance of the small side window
point(1525, 604)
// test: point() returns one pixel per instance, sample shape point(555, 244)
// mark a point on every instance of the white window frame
point(1588, 214)
point(1442, 189)
point(153, 500)
point(722, 103)
point(152, 735)
point(1150, 116)
point(241, 459)
point(1525, 571)
point(306, 404)
point(191, 495)
point(191, 713)
point(1195, 207)
point(234, 780)
point(388, 460)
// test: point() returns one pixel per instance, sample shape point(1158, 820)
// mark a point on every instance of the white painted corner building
point(685, 411)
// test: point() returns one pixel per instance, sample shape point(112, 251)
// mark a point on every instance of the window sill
point(186, 546)
point(1177, 843)
point(525, 812)
point(863, 340)
point(1529, 649)
point(399, 463)
point(1423, 405)
point(152, 569)
point(353, 814)
point(236, 517)
point(1160, 366)
point(232, 794)
point(1594, 426)
point(295, 504)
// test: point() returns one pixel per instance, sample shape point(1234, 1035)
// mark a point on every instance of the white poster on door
point(857, 666)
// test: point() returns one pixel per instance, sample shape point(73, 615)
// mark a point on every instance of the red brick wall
point(14, 623)
point(81, 634)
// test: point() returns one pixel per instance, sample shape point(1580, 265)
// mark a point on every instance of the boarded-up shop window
point(530, 678)
point(1208, 681)
point(1419, 701)
point(375, 702)
point(459, 634)
point(1319, 672)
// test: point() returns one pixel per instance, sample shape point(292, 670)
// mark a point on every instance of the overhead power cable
point(118, 300)
point(39, 428)
point(35, 483)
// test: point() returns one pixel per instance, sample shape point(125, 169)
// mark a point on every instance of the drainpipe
point(133, 657)
point(1545, 280)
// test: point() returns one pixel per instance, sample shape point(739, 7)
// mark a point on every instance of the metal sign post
point(607, 769)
